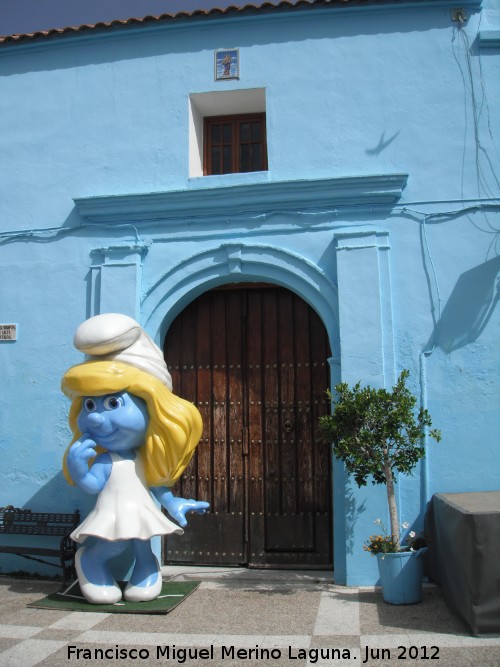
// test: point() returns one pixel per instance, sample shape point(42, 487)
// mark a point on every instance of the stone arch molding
point(237, 262)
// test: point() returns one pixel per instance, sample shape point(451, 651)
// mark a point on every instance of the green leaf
point(365, 422)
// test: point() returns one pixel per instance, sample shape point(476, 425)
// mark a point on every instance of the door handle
point(287, 425)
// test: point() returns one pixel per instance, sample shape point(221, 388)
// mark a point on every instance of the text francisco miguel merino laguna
point(180, 655)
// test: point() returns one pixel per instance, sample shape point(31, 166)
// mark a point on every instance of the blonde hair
point(174, 427)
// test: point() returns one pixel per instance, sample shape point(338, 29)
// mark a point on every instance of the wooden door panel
point(216, 538)
point(254, 362)
point(255, 383)
point(280, 551)
point(235, 385)
point(289, 532)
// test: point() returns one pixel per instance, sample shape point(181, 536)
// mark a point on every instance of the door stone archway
point(253, 358)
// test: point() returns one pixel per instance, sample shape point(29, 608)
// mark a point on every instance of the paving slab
point(246, 618)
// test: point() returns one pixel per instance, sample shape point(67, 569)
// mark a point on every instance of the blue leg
point(96, 581)
point(145, 582)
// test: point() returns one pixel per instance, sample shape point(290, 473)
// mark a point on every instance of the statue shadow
point(59, 496)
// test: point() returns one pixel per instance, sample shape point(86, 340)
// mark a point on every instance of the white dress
point(125, 509)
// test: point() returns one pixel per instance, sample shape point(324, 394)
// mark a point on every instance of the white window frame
point(217, 103)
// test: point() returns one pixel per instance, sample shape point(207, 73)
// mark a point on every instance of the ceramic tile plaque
point(227, 64)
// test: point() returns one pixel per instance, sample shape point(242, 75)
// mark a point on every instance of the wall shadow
point(103, 45)
point(469, 308)
point(58, 496)
point(352, 513)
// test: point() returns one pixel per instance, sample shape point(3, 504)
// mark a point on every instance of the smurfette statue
point(132, 438)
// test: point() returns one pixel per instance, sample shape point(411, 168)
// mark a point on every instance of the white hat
point(112, 336)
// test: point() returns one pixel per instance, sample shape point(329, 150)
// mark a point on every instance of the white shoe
point(94, 593)
point(144, 593)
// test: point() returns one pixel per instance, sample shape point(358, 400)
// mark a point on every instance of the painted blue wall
point(402, 268)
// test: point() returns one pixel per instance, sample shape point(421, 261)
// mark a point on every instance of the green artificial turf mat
point(71, 599)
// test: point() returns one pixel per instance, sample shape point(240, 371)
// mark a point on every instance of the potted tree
point(377, 434)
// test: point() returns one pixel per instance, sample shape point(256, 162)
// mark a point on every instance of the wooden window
point(235, 144)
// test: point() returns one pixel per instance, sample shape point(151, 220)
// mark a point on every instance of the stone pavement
point(247, 618)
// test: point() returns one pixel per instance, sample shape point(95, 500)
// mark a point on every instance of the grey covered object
point(464, 555)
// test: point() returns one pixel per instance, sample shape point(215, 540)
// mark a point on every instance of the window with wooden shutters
point(235, 144)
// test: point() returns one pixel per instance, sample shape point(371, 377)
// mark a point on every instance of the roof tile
point(279, 5)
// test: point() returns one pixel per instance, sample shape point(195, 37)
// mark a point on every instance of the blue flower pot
point(401, 576)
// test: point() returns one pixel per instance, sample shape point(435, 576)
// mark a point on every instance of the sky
point(19, 16)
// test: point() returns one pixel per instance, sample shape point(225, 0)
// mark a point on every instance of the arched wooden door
point(253, 358)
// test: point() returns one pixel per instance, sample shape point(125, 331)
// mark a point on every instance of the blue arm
point(178, 507)
point(93, 479)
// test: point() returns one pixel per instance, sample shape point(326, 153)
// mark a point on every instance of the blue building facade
point(379, 209)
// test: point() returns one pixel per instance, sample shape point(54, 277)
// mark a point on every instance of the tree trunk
point(391, 499)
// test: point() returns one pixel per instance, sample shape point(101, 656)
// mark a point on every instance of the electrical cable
point(460, 42)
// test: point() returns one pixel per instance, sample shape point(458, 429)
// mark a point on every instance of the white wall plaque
point(8, 332)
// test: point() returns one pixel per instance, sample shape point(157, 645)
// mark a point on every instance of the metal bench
point(24, 522)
